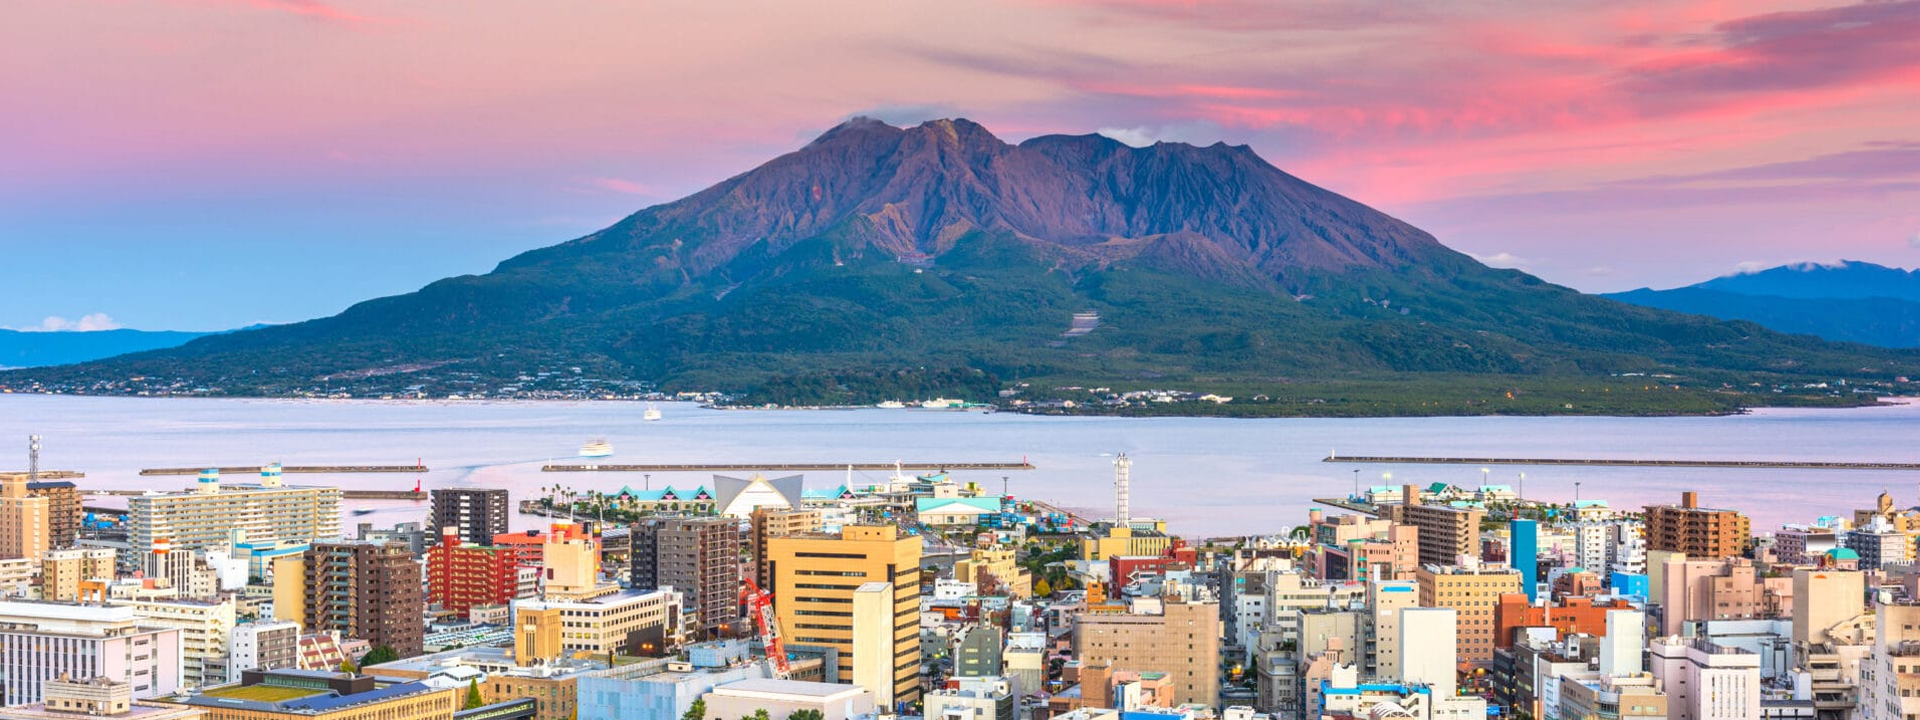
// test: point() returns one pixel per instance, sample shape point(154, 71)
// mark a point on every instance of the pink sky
point(1600, 144)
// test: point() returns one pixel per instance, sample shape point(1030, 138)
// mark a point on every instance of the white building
point(208, 516)
point(781, 698)
point(737, 497)
point(43, 641)
point(205, 632)
point(1429, 656)
point(1891, 690)
point(977, 698)
point(1705, 681)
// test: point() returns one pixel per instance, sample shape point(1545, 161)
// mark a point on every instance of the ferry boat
point(596, 448)
point(891, 405)
point(652, 413)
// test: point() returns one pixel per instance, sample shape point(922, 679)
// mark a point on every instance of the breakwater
point(293, 469)
point(786, 467)
point(1625, 462)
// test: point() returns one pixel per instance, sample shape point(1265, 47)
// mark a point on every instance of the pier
point(789, 467)
point(49, 474)
point(291, 469)
point(344, 494)
point(1602, 462)
point(1350, 505)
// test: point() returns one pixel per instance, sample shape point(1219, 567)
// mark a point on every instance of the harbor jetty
point(344, 494)
point(291, 469)
point(1625, 462)
point(47, 474)
point(786, 467)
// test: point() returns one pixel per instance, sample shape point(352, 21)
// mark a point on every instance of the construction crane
point(760, 605)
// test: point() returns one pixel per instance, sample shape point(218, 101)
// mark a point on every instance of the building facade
point(361, 590)
point(814, 581)
point(41, 641)
point(26, 529)
point(1699, 532)
point(1474, 593)
point(698, 556)
point(475, 514)
point(1167, 635)
point(213, 516)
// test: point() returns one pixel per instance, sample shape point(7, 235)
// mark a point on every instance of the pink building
point(1728, 589)
point(1359, 548)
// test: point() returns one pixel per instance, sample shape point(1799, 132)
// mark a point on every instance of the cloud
point(1749, 267)
point(906, 115)
point(87, 323)
point(1136, 137)
point(1913, 241)
point(1504, 260)
point(623, 186)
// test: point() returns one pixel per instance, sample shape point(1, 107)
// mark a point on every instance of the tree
point(806, 714)
point(347, 666)
point(1041, 588)
point(761, 714)
point(473, 695)
point(382, 654)
point(698, 711)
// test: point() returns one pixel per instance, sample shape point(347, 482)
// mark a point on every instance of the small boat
point(596, 448)
point(652, 413)
point(363, 511)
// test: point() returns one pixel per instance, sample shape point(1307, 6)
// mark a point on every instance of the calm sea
point(1205, 476)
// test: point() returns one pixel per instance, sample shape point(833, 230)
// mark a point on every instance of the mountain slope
point(877, 258)
point(35, 349)
point(1848, 302)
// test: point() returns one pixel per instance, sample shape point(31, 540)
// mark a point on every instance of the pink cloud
point(627, 187)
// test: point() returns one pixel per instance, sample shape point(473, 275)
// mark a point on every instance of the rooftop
point(262, 693)
point(786, 687)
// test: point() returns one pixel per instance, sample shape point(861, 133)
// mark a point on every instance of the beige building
point(814, 579)
point(770, 523)
point(26, 529)
point(1445, 533)
point(69, 699)
point(1126, 542)
point(1166, 635)
point(1003, 565)
point(578, 611)
point(206, 634)
point(1474, 593)
point(20, 577)
point(1699, 532)
point(62, 571)
point(312, 695)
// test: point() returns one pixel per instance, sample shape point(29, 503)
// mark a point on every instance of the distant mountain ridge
point(877, 261)
point(1848, 301)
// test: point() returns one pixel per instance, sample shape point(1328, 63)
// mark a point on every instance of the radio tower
point(1121, 466)
point(33, 458)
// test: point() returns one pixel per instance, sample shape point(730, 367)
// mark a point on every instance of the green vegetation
point(474, 699)
point(378, 655)
point(262, 693)
point(697, 711)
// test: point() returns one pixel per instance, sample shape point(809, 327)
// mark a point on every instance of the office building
point(461, 575)
point(1167, 635)
point(1699, 532)
point(63, 571)
point(265, 645)
point(578, 611)
point(63, 510)
point(1705, 681)
point(770, 523)
point(475, 514)
point(814, 580)
point(206, 631)
point(1360, 548)
point(1525, 557)
point(1446, 533)
point(358, 589)
point(1474, 592)
point(699, 557)
point(26, 529)
point(42, 641)
point(214, 516)
point(1721, 589)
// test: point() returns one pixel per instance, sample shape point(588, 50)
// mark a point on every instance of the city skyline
point(182, 154)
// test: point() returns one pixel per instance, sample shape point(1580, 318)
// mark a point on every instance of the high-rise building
point(26, 530)
point(1699, 532)
point(698, 556)
point(63, 510)
point(814, 579)
point(1446, 533)
point(1721, 589)
point(770, 523)
point(213, 515)
point(206, 630)
point(361, 590)
point(1385, 600)
point(1886, 688)
point(62, 571)
point(576, 610)
point(1166, 635)
point(1474, 592)
point(1525, 558)
point(41, 641)
point(476, 514)
point(265, 645)
point(461, 575)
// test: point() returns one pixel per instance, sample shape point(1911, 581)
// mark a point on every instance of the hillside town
point(930, 596)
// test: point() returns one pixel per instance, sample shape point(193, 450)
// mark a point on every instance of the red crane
point(760, 605)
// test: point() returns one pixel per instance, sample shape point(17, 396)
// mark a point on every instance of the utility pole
point(1122, 466)
point(33, 458)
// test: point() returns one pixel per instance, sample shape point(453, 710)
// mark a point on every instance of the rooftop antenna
point(33, 458)
point(1122, 466)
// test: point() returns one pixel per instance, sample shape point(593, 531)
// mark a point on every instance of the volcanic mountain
point(881, 261)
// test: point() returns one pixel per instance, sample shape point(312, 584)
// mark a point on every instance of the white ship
point(596, 448)
point(652, 413)
point(891, 405)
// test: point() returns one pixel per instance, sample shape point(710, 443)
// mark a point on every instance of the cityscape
point(974, 360)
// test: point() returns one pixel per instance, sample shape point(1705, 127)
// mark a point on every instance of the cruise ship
point(652, 413)
point(596, 448)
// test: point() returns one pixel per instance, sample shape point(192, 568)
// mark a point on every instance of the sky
point(207, 164)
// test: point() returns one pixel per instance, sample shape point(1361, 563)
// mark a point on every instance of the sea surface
point(1207, 477)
